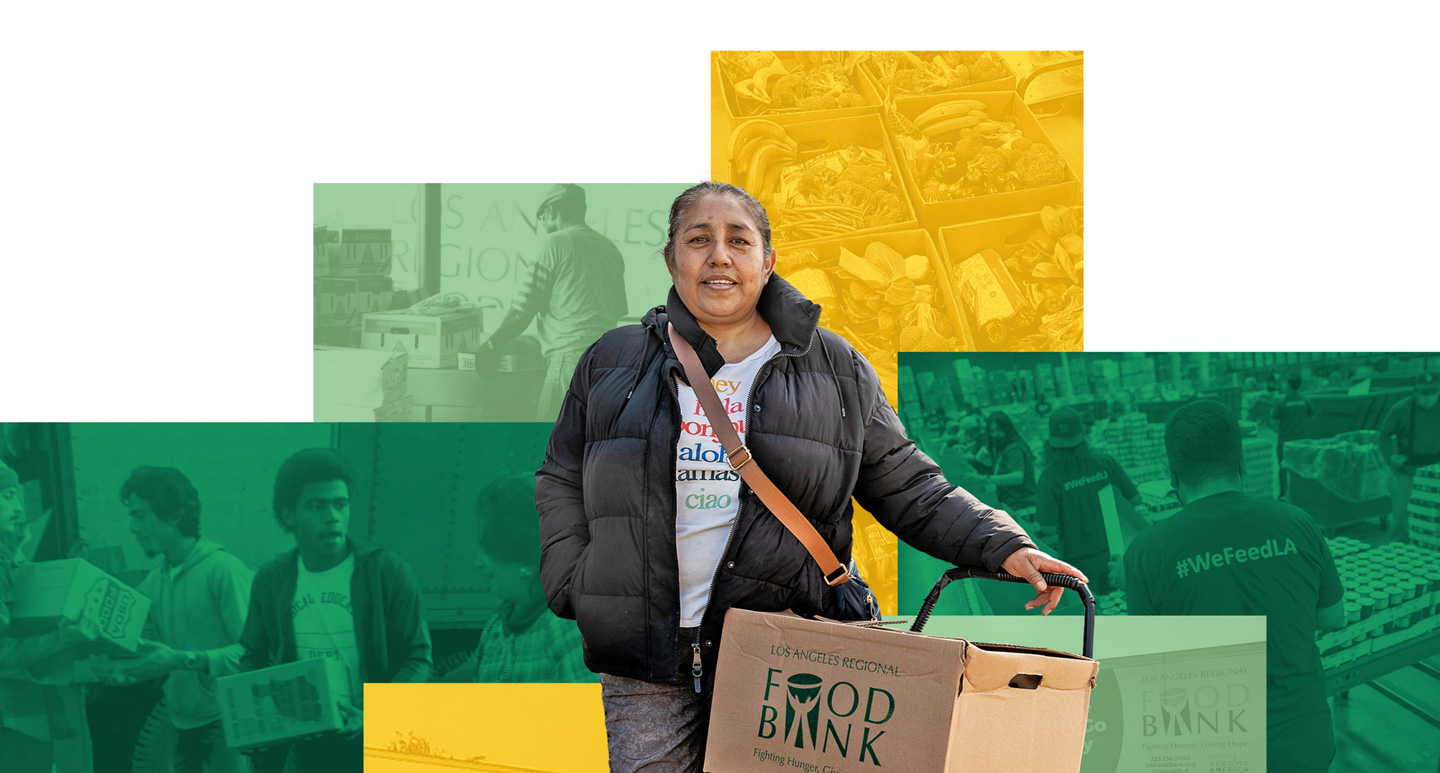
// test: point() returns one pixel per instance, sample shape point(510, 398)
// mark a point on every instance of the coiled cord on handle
point(1062, 580)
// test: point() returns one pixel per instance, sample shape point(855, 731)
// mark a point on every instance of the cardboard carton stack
point(1137, 445)
point(1392, 594)
point(361, 385)
point(1424, 508)
point(1262, 471)
point(351, 280)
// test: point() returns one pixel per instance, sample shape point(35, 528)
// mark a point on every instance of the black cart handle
point(1062, 580)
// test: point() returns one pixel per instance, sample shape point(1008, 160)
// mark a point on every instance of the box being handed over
point(819, 695)
point(48, 591)
point(281, 703)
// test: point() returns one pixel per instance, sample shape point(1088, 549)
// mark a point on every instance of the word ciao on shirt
point(341, 600)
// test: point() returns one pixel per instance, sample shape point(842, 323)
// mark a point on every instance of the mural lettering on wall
point(489, 244)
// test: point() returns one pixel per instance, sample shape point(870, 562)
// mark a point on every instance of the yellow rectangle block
point(539, 728)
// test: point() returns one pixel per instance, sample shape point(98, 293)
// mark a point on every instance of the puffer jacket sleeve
point(908, 494)
point(559, 494)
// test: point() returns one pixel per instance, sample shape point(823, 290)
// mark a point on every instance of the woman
point(521, 643)
point(1014, 477)
point(648, 537)
point(1077, 487)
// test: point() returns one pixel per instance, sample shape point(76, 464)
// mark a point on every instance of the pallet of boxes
point(352, 278)
point(1424, 507)
point(1392, 594)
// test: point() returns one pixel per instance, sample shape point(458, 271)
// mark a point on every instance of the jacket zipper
point(697, 669)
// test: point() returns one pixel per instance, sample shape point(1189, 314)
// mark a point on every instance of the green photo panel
point(473, 302)
point(218, 590)
point(1304, 487)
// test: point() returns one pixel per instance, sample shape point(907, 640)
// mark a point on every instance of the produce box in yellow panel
point(955, 173)
point(884, 293)
point(821, 179)
point(901, 73)
point(1043, 254)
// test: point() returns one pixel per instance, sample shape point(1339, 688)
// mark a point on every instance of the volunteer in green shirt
point(1014, 477)
point(1072, 495)
point(1410, 435)
point(575, 292)
point(1229, 553)
point(1291, 421)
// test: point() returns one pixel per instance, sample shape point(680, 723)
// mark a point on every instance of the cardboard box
point(284, 702)
point(1006, 83)
point(323, 236)
point(360, 377)
point(49, 591)
point(733, 117)
point(942, 213)
point(335, 301)
point(820, 695)
point(432, 341)
point(820, 137)
point(360, 252)
point(907, 243)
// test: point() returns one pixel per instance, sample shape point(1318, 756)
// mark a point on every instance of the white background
point(1256, 179)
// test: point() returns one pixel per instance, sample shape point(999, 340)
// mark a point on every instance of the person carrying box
point(199, 595)
point(33, 716)
point(1229, 553)
point(332, 598)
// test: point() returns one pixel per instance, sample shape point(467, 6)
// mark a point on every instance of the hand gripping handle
point(1062, 580)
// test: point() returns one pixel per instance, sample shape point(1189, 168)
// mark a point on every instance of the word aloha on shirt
point(707, 491)
point(324, 624)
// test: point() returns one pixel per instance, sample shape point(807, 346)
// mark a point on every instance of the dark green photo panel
point(1304, 487)
point(473, 302)
point(221, 591)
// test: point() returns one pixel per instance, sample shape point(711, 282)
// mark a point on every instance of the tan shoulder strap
point(739, 459)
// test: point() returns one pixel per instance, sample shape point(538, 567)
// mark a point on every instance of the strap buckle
point(840, 576)
point(730, 458)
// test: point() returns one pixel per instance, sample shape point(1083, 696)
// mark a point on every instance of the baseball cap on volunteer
point(559, 192)
point(1066, 429)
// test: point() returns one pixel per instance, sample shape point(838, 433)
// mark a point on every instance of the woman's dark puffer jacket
point(818, 425)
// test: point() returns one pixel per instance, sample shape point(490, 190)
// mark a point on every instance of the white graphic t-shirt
point(324, 625)
point(707, 491)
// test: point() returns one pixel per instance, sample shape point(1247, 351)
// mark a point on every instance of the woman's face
point(719, 267)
